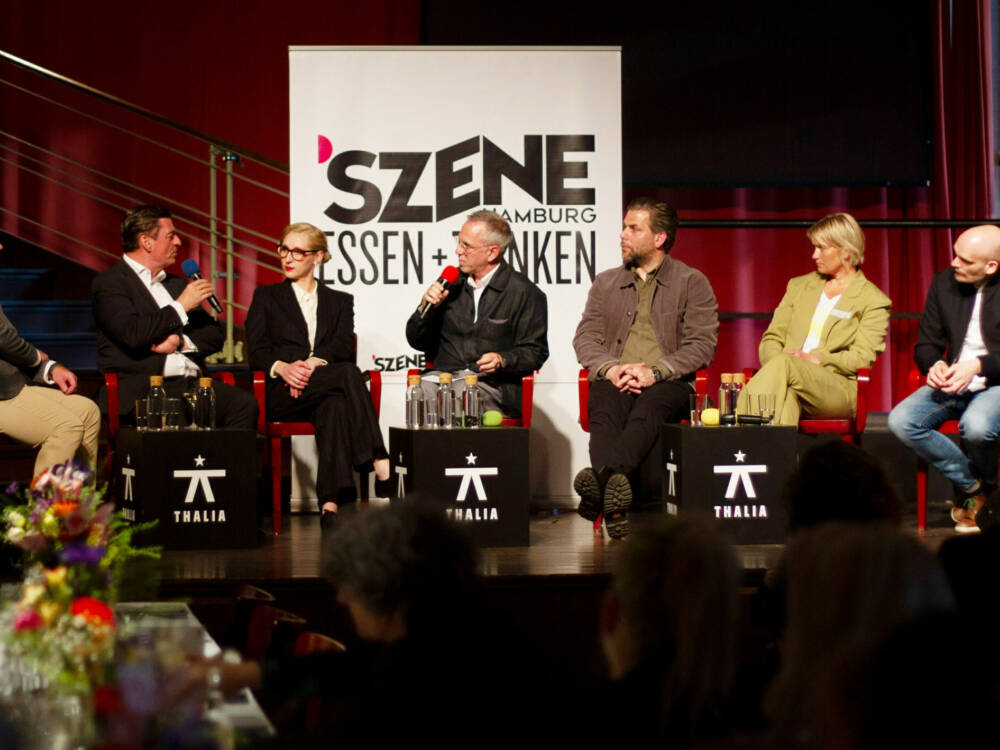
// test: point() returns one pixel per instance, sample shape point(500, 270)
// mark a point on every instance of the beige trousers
point(800, 387)
point(61, 426)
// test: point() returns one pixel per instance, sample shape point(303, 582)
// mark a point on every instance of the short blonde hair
point(842, 232)
point(314, 236)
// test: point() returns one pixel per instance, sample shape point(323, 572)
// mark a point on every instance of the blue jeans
point(915, 421)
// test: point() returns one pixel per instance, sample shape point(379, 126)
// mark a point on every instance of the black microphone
point(448, 277)
point(743, 419)
point(193, 271)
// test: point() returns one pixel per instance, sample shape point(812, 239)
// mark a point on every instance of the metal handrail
point(103, 188)
point(135, 108)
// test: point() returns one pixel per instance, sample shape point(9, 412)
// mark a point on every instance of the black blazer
point(276, 329)
point(129, 322)
point(946, 317)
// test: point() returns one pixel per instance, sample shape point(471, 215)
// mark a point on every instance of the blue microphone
point(193, 271)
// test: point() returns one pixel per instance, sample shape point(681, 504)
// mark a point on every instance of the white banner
point(390, 148)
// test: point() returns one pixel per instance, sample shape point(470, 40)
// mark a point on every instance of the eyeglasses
point(464, 248)
point(284, 250)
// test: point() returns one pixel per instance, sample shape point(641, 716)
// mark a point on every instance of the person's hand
point(640, 377)
point(195, 293)
point(434, 295)
point(313, 362)
point(42, 356)
point(168, 345)
point(617, 376)
point(803, 355)
point(64, 378)
point(489, 362)
point(937, 376)
point(295, 374)
point(960, 374)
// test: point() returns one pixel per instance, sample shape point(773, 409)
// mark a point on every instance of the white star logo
point(470, 460)
point(740, 457)
point(199, 460)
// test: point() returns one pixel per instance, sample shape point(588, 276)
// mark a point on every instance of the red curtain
point(749, 268)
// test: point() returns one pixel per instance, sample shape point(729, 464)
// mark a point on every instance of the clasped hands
point(296, 374)
point(630, 378)
point(953, 378)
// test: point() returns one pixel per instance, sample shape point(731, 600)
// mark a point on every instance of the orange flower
point(94, 611)
point(64, 508)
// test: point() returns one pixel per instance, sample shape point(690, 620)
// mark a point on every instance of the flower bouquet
point(63, 626)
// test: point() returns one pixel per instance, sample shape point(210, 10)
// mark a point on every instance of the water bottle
point(414, 402)
point(470, 401)
point(204, 405)
point(445, 400)
point(156, 401)
point(739, 380)
point(725, 394)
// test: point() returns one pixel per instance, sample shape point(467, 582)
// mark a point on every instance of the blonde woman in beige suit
point(829, 324)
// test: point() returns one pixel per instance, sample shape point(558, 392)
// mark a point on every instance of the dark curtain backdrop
point(749, 268)
point(222, 68)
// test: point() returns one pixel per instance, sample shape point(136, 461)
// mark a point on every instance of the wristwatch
point(657, 375)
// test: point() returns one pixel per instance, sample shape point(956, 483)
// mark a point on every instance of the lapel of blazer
point(138, 291)
point(288, 306)
point(324, 311)
point(850, 301)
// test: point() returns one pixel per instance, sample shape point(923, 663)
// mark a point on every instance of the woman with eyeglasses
point(301, 333)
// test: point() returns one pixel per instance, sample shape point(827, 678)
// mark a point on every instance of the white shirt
point(309, 305)
point(176, 364)
point(477, 291)
point(973, 346)
point(820, 314)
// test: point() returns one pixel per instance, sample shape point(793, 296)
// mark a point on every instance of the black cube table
point(735, 474)
point(479, 476)
point(199, 485)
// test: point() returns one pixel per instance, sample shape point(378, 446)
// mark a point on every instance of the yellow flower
point(31, 594)
point(55, 576)
point(50, 524)
point(48, 610)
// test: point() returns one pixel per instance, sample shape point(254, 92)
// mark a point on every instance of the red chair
point(527, 400)
point(114, 422)
point(275, 431)
point(914, 380)
point(583, 391)
point(849, 428)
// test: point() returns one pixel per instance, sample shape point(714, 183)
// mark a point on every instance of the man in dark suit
point(150, 322)
point(958, 349)
point(492, 322)
point(60, 423)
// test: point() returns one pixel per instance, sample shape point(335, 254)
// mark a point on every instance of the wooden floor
point(562, 544)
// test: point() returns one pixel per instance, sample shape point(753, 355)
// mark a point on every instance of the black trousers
point(348, 437)
point(623, 426)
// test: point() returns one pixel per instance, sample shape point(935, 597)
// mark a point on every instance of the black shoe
point(617, 500)
point(587, 485)
point(383, 487)
point(328, 521)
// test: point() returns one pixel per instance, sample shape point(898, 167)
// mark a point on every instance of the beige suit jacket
point(854, 332)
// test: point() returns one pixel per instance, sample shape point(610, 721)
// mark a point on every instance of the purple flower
point(73, 554)
point(12, 488)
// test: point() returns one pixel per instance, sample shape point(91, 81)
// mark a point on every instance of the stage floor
point(562, 544)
